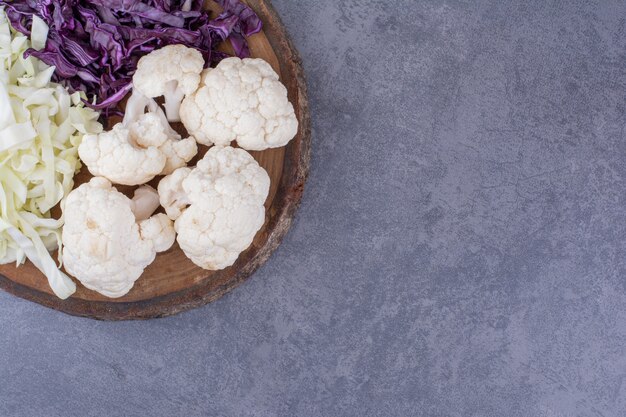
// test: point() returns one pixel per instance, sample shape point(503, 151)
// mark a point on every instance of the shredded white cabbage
point(41, 126)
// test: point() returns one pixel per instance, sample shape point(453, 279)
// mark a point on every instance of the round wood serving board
point(173, 284)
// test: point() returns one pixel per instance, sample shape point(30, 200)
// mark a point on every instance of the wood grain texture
point(173, 284)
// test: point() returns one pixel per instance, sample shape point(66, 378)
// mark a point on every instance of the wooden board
point(173, 284)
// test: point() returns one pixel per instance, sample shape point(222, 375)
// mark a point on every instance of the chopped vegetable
point(217, 206)
point(172, 72)
point(110, 239)
point(96, 44)
point(141, 147)
point(41, 126)
point(240, 100)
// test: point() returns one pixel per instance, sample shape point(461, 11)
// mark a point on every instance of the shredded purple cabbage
point(95, 44)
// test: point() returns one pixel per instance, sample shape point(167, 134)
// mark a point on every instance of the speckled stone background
point(460, 250)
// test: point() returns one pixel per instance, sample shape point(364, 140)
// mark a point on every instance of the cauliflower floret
point(171, 194)
point(159, 230)
point(104, 246)
point(218, 206)
point(178, 153)
point(173, 72)
point(148, 131)
point(240, 100)
point(141, 147)
point(116, 156)
point(159, 133)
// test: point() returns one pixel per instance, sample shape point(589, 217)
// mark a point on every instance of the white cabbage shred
point(41, 126)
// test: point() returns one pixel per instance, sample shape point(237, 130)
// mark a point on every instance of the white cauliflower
point(171, 194)
point(116, 156)
point(240, 100)
point(177, 151)
point(108, 239)
point(173, 72)
point(138, 149)
point(218, 207)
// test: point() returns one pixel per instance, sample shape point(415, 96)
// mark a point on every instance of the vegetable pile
point(151, 49)
point(95, 45)
point(41, 126)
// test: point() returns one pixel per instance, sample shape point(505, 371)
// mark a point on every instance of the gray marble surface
point(460, 250)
